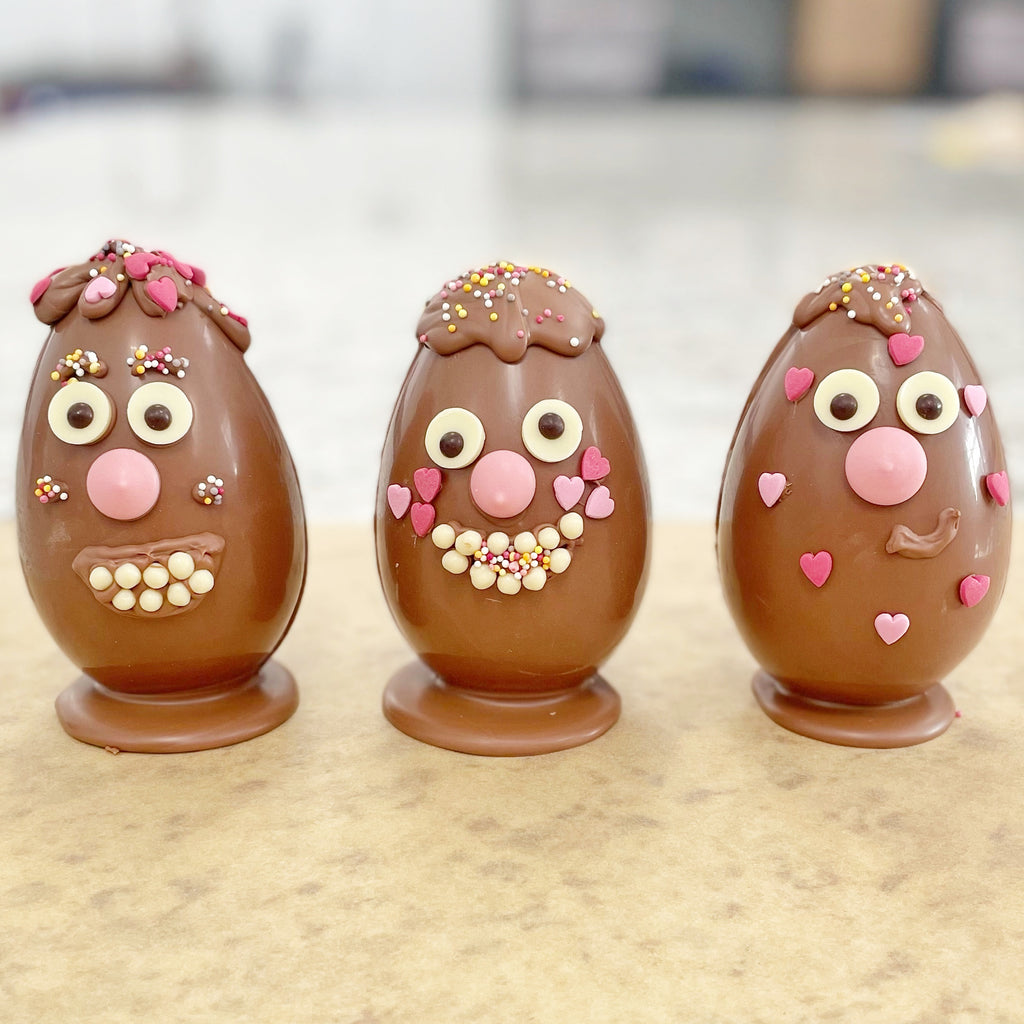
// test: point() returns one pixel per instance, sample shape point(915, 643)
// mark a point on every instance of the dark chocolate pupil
point(929, 407)
point(158, 417)
point(451, 444)
point(844, 406)
point(80, 415)
point(551, 426)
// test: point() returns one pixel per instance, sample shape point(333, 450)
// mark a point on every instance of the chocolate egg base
point(185, 720)
point(420, 704)
point(901, 723)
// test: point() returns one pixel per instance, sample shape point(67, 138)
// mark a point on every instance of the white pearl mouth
point(155, 580)
point(525, 561)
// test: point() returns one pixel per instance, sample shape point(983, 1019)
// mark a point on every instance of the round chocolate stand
point(184, 720)
point(901, 723)
point(423, 706)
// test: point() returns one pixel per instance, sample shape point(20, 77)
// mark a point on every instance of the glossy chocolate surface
point(847, 600)
point(219, 535)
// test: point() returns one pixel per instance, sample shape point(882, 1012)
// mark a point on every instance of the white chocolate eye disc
point(933, 394)
point(80, 413)
point(854, 385)
point(557, 415)
point(454, 427)
point(159, 403)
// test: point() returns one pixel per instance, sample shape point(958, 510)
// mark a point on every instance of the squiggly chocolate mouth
point(904, 541)
point(154, 580)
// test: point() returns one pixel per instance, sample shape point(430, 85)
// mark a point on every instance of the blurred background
point(693, 166)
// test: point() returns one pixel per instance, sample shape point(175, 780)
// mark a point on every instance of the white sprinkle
point(477, 294)
point(575, 342)
point(851, 313)
point(551, 284)
point(561, 288)
point(446, 316)
point(510, 297)
point(94, 273)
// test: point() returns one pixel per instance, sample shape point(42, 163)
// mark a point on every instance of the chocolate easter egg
point(160, 522)
point(512, 518)
point(864, 519)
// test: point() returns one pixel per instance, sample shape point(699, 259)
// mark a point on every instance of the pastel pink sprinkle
point(817, 568)
point(600, 504)
point(428, 482)
point(422, 517)
point(164, 292)
point(39, 289)
point(973, 588)
point(798, 381)
point(398, 500)
point(99, 288)
point(568, 490)
point(770, 486)
point(891, 627)
point(547, 312)
point(998, 485)
point(593, 465)
point(520, 334)
point(975, 398)
point(905, 348)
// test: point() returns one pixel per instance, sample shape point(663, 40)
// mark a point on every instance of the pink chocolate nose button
point(502, 484)
point(886, 466)
point(123, 484)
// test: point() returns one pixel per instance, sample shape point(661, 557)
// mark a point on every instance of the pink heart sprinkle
point(998, 485)
point(99, 288)
point(973, 588)
point(568, 490)
point(975, 398)
point(600, 504)
point(817, 568)
point(798, 380)
point(137, 264)
point(891, 627)
point(770, 486)
point(428, 482)
point(398, 500)
point(905, 348)
point(38, 289)
point(422, 517)
point(164, 292)
point(593, 466)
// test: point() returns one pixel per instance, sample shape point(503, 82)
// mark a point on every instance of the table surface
point(697, 863)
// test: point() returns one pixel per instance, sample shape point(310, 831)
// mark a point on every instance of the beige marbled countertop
point(696, 864)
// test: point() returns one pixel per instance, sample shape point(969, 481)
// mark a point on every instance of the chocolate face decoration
point(864, 520)
point(159, 517)
point(512, 517)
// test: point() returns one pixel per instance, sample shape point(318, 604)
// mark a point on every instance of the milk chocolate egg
point(864, 518)
point(512, 518)
point(160, 523)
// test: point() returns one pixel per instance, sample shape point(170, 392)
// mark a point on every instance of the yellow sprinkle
point(847, 287)
point(832, 306)
point(475, 279)
point(207, 501)
point(888, 305)
point(467, 287)
point(103, 269)
point(139, 353)
point(846, 298)
point(898, 318)
point(120, 277)
point(451, 328)
point(545, 273)
point(140, 370)
point(224, 310)
point(865, 278)
point(463, 313)
point(494, 316)
point(46, 487)
point(94, 367)
point(39, 493)
point(55, 375)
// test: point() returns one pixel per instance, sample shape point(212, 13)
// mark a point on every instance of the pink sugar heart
point(798, 380)
point(39, 289)
point(99, 288)
point(593, 466)
point(973, 588)
point(164, 292)
point(891, 627)
point(905, 348)
point(137, 264)
point(568, 490)
point(428, 482)
point(422, 517)
point(600, 504)
point(975, 398)
point(398, 500)
point(817, 568)
point(998, 485)
point(770, 486)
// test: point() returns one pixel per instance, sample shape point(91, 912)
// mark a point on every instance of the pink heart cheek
point(905, 348)
point(428, 482)
point(398, 500)
point(600, 504)
point(568, 491)
point(98, 289)
point(770, 486)
point(798, 381)
point(164, 292)
point(975, 398)
point(998, 485)
point(891, 628)
point(817, 567)
point(422, 517)
point(973, 589)
point(593, 465)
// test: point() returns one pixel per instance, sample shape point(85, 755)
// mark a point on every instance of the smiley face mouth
point(153, 580)
point(525, 561)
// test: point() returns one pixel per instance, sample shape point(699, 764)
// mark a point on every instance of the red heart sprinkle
point(593, 465)
point(798, 380)
point(817, 568)
point(422, 517)
point(428, 482)
point(905, 348)
point(973, 588)
point(164, 292)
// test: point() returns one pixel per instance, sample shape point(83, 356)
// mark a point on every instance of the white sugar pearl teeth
point(560, 559)
point(509, 584)
point(124, 600)
point(181, 565)
point(155, 576)
point(443, 536)
point(151, 600)
point(497, 542)
point(455, 562)
point(179, 595)
point(525, 542)
point(468, 542)
point(481, 577)
point(201, 581)
point(100, 578)
point(127, 575)
point(535, 579)
point(571, 525)
point(549, 538)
